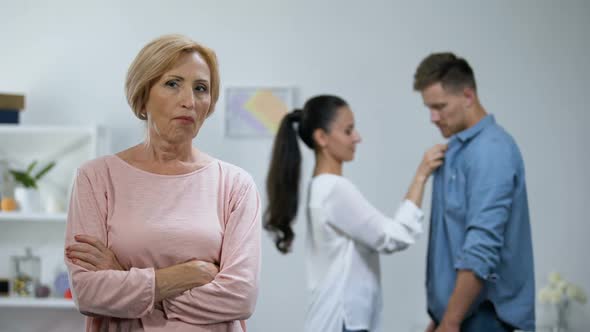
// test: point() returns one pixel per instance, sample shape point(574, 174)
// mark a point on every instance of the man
point(480, 259)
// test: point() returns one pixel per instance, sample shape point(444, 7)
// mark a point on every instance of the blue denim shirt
point(480, 222)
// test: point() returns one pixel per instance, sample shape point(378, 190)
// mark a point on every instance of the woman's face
point(341, 140)
point(179, 101)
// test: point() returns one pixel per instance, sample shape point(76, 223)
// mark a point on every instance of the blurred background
point(69, 59)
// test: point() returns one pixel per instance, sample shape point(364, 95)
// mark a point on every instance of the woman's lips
point(185, 119)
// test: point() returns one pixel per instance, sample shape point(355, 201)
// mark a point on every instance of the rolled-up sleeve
point(352, 214)
point(490, 189)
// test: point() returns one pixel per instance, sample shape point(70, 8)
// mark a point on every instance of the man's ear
point(469, 95)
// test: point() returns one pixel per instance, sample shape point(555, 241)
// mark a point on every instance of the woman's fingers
point(83, 264)
point(89, 258)
point(85, 248)
point(91, 240)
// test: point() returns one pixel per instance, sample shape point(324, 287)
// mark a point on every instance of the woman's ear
point(320, 138)
point(143, 113)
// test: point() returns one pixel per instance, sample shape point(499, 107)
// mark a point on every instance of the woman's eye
point(201, 88)
point(172, 84)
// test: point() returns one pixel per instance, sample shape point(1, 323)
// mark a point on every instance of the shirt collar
point(469, 133)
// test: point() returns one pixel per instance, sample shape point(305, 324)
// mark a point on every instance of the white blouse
point(345, 235)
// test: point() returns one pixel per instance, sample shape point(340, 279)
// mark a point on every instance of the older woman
point(162, 236)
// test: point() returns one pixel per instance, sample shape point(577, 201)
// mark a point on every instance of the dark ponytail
point(282, 183)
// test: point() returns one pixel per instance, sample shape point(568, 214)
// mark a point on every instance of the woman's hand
point(204, 271)
point(432, 159)
point(173, 280)
point(91, 254)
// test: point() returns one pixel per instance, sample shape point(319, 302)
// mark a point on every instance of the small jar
point(7, 201)
point(27, 270)
point(6, 180)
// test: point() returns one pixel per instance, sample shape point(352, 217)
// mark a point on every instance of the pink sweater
point(153, 221)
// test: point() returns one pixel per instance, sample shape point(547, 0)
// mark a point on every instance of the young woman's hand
point(433, 158)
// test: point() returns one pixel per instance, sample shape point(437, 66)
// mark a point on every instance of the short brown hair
point(452, 72)
point(155, 59)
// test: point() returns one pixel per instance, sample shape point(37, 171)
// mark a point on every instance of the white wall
point(531, 63)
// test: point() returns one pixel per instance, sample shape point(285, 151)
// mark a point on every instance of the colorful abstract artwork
point(256, 112)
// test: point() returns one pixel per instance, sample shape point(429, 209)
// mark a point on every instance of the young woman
point(345, 232)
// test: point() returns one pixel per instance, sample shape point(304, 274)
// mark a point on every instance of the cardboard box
point(11, 102)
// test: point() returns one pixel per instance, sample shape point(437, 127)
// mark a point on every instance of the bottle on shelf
point(7, 201)
point(27, 274)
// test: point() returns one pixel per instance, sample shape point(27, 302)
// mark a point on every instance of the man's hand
point(448, 327)
point(91, 254)
point(467, 288)
point(431, 327)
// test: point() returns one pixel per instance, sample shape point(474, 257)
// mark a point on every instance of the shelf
point(45, 143)
point(18, 217)
point(70, 147)
point(30, 130)
point(49, 303)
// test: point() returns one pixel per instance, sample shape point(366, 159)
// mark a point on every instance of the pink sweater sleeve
point(232, 294)
point(123, 294)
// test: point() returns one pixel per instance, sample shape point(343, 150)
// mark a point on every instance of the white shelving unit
point(49, 303)
point(69, 147)
point(17, 217)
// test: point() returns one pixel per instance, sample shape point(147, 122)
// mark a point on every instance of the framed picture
point(256, 111)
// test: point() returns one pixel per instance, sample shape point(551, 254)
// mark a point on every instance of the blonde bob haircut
point(156, 58)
